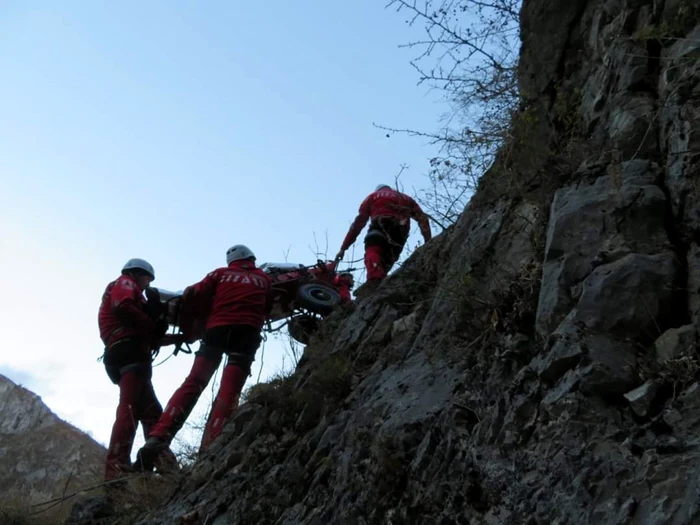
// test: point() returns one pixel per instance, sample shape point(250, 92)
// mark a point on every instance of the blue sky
point(170, 131)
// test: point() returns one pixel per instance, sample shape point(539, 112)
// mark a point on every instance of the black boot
point(148, 454)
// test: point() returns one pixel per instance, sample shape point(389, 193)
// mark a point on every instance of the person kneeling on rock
point(238, 298)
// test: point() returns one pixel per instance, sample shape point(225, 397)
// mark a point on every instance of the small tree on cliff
point(470, 54)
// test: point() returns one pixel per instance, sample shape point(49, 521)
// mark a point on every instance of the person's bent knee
point(242, 359)
point(205, 363)
point(210, 352)
point(142, 370)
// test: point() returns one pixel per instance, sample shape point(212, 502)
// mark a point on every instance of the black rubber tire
point(302, 328)
point(318, 298)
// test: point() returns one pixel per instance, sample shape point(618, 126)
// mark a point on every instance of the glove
point(187, 301)
point(154, 307)
point(152, 295)
point(188, 294)
point(161, 327)
point(159, 331)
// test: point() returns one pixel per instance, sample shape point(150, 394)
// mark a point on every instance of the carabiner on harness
point(178, 348)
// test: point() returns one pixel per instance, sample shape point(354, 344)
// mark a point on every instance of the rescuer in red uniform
point(390, 213)
point(238, 299)
point(130, 332)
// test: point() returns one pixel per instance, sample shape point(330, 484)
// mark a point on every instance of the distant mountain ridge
point(41, 456)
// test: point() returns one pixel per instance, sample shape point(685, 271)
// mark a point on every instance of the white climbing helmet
point(139, 264)
point(382, 186)
point(238, 252)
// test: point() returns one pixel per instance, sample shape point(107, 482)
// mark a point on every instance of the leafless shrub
point(469, 54)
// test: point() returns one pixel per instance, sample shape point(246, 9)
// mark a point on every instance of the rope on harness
point(270, 330)
point(262, 359)
point(164, 360)
point(214, 388)
point(178, 349)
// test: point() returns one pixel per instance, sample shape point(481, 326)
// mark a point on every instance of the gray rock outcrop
point(41, 456)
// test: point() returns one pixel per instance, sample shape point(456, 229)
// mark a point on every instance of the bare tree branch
point(469, 54)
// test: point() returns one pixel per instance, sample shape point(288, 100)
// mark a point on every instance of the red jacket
point(387, 203)
point(122, 312)
point(239, 294)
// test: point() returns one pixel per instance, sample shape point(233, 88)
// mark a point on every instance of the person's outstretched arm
point(423, 222)
point(363, 216)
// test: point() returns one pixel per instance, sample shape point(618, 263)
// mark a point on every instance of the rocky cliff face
point(41, 456)
point(537, 362)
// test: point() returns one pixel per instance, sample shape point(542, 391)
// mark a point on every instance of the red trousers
point(185, 398)
point(374, 264)
point(137, 404)
point(383, 246)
